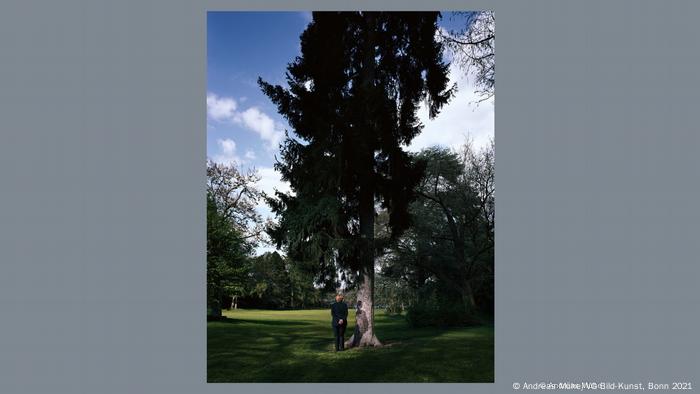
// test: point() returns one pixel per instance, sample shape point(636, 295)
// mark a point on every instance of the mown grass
point(297, 346)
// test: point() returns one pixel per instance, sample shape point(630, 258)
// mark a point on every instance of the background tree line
point(440, 272)
point(235, 277)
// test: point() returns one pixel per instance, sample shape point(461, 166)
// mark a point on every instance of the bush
point(435, 306)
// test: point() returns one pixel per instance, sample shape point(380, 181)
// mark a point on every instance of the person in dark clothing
point(339, 314)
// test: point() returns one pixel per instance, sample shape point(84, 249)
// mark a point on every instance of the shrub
point(436, 306)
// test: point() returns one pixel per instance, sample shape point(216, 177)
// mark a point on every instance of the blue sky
point(242, 46)
point(243, 125)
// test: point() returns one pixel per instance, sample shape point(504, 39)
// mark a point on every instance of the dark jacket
point(339, 310)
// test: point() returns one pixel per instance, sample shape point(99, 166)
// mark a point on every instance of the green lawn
point(297, 346)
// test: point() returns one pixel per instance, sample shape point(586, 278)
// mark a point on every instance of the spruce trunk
point(364, 318)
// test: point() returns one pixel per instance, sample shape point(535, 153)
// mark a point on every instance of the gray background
point(102, 226)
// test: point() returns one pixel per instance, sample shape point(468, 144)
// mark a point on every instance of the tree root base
point(365, 341)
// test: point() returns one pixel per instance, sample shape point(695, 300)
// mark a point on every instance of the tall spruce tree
point(352, 103)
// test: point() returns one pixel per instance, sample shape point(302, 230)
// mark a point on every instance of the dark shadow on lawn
point(302, 351)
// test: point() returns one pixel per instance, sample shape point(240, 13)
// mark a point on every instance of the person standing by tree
point(339, 313)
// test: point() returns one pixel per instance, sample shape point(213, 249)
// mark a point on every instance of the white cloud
point(250, 155)
point(220, 108)
point(227, 152)
point(225, 110)
point(460, 118)
point(270, 131)
point(228, 146)
point(271, 180)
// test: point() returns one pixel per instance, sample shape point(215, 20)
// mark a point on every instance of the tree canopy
point(352, 102)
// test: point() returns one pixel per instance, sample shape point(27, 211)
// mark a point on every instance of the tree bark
point(364, 335)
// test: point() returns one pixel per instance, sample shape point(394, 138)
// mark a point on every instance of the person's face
point(338, 298)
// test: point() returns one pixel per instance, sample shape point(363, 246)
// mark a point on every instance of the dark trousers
point(339, 331)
